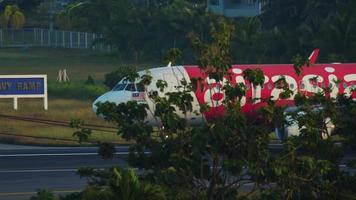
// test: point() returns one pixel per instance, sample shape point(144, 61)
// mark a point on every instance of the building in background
point(235, 8)
point(55, 6)
point(50, 8)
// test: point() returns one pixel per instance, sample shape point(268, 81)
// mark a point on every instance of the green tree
point(204, 162)
point(112, 78)
point(81, 133)
point(12, 17)
point(118, 183)
point(27, 6)
point(141, 30)
point(43, 195)
point(214, 160)
point(90, 81)
point(106, 150)
point(304, 25)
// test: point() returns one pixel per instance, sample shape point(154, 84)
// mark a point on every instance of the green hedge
point(75, 90)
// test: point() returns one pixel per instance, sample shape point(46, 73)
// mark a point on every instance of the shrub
point(71, 196)
point(90, 81)
point(76, 91)
point(43, 195)
point(113, 77)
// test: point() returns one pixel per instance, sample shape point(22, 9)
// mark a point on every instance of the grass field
point(79, 64)
point(66, 102)
point(59, 109)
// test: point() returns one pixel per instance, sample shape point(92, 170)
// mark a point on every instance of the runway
point(24, 170)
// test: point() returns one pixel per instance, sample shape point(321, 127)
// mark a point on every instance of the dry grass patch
point(59, 109)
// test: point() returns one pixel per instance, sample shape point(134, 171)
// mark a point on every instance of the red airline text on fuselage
point(341, 78)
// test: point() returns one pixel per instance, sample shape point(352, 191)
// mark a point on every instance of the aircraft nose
point(112, 97)
point(103, 98)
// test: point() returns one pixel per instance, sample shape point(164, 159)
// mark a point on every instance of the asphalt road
point(24, 170)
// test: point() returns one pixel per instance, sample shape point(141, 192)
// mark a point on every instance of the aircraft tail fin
point(313, 56)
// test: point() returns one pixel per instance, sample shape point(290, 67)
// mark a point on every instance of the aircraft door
point(173, 81)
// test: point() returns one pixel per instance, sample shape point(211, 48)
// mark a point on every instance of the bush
point(112, 78)
point(90, 81)
point(43, 195)
point(72, 196)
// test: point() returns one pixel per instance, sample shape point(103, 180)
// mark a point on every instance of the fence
point(38, 37)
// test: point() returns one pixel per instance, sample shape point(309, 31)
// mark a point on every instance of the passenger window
point(130, 87)
point(345, 85)
point(269, 86)
point(292, 86)
point(302, 86)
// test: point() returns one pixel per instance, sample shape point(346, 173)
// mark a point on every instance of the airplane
point(341, 78)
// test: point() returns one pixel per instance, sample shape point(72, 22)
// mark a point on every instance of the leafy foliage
point(281, 83)
point(285, 28)
point(75, 90)
point(106, 150)
point(71, 196)
point(221, 157)
point(12, 17)
point(90, 81)
point(208, 160)
point(118, 183)
point(112, 78)
point(215, 57)
point(254, 76)
point(43, 195)
point(137, 29)
point(173, 55)
point(82, 134)
point(299, 63)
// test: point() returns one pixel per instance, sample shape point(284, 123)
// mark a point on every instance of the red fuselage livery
point(340, 78)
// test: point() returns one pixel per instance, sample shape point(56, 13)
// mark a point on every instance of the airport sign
point(24, 86)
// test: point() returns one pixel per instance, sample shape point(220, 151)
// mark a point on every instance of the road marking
point(56, 154)
point(38, 170)
point(23, 147)
point(60, 154)
point(32, 193)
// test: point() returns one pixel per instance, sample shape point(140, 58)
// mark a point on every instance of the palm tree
point(123, 184)
point(12, 17)
point(127, 186)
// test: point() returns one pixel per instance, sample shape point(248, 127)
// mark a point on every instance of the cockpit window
point(130, 87)
point(121, 85)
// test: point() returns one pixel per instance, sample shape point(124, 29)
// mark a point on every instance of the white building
point(235, 8)
point(55, 6)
